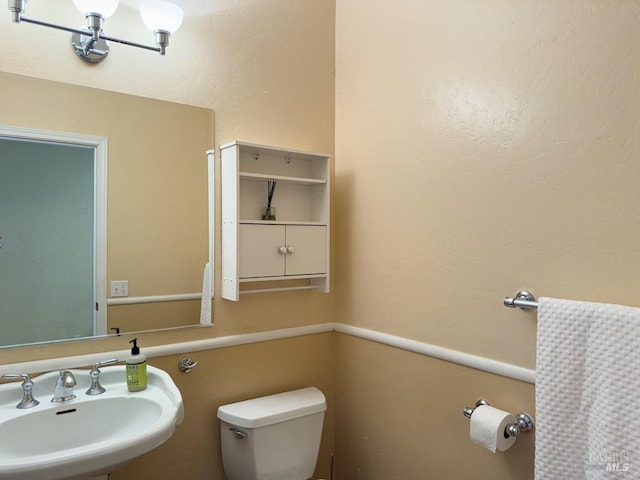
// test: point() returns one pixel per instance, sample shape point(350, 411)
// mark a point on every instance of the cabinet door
point(307, 249)
point(259, 249)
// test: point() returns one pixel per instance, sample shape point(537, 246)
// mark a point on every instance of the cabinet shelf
point(278, 222)
point(281, 178)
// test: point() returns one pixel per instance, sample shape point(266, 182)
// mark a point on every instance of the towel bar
point(279, 289)
point(523, 300)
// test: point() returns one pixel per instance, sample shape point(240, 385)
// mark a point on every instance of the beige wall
point(481, 147)
point(266, 69)
point(415, 428)
point(226, 375)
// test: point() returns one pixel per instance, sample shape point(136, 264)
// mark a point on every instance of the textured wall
point(266, 68)
point(229, 375)
point(415, 428)
point(481, 147)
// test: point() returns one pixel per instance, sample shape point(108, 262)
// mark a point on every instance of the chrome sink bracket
point(27, 390)
point(96, 388)
point(64, 387)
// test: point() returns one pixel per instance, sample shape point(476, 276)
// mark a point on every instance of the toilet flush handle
point(238, 433)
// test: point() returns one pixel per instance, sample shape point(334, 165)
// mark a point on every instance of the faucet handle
point(27, 390)
point(11, 376)
point(96, 388)
point(97, 365)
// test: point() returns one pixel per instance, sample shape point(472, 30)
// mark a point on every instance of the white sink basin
point(89, 435)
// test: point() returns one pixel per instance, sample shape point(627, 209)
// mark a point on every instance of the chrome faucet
point(27, 386)
point(64, 387)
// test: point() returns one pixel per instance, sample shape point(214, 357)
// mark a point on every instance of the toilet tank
point(275, 437)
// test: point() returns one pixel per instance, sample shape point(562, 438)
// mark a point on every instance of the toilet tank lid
point(263, 411)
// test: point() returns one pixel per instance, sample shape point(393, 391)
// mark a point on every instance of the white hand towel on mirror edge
point(587, 391)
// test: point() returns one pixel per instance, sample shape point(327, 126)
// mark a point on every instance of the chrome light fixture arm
point(132, 44)
point(90, 44)
point(16, 7)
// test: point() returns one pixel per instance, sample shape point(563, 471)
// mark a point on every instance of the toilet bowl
point(276, 437)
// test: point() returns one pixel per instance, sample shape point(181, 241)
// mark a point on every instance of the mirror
point(157, 191)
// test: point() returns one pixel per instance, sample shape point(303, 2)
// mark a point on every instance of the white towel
point(587, 391)
point(205, 304)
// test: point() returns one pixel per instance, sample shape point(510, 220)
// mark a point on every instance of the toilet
point(276, 437)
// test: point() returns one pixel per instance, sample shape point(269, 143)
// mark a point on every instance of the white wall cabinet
point(282, 250)
point(293, 246)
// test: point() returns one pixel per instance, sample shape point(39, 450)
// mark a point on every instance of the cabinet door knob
point(283, 250)
point(290, 249)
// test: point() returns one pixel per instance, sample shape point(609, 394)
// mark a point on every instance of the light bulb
point(161, 15)
point(103, 7)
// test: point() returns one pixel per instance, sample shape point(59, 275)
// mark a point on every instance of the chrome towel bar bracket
point(523, 300)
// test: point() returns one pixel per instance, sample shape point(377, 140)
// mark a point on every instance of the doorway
point(52, 236)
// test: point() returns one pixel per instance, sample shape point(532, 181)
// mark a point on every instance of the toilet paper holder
point(524, 421)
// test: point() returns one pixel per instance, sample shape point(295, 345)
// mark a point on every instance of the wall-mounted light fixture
point(91, 44)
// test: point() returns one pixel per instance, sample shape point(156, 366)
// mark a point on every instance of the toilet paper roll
point(487, 428)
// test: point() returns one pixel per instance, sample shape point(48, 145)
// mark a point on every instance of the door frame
point(99, 145)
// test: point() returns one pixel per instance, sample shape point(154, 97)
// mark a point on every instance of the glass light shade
point(103, 7)
point(161, 15)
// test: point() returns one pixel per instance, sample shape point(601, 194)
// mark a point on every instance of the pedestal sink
point(89, 435)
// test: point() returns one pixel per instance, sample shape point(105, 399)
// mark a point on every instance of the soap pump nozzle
point(135, 350)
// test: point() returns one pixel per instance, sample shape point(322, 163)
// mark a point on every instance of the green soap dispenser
point(136, 369)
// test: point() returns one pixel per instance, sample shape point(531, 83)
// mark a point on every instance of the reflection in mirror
point(49, 210)
point(157, 203)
